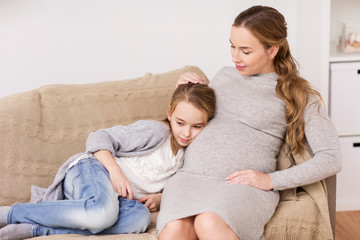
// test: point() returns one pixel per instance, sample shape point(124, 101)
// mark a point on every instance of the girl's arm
point(117, 178)
point(139, 137)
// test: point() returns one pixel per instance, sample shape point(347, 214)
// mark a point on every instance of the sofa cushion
point(150, 234)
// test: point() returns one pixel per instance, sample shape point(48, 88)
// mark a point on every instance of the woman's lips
point(240, 68)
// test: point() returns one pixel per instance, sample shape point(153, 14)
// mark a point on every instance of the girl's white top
point(148, 173)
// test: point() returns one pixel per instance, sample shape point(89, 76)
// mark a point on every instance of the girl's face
point(186, 123)
point(248, 53)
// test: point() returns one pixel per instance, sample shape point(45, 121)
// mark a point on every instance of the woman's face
point(248, 53)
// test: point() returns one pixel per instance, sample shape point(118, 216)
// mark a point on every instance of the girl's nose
point(186, 132)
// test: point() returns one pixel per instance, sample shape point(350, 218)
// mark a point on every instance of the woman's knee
point(209, 225)
point(179, 229)
point(207, 220)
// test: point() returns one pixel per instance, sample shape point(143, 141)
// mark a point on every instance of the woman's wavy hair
point(269, 27)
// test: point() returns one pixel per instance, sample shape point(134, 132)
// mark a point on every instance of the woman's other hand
point(252, 178)
point(189, 77)
point(152, 201)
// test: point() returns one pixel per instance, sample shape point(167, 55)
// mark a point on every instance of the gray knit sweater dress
point(246, 133)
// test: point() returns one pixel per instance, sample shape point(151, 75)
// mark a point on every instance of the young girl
point(93, 192)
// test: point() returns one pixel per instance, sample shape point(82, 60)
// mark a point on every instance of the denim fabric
point(134, 218)
point(91, 207)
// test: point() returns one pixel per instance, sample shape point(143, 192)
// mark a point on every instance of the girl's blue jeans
point(91, 206)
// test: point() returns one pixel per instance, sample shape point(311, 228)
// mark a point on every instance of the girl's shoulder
point(153, 124)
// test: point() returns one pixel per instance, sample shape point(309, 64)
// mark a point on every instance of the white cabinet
point(345, 97)
point(348, 180)
point(345, 114)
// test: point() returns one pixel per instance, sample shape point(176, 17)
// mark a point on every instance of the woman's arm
point(117, 178)
point(323, 140)
point(324, 143)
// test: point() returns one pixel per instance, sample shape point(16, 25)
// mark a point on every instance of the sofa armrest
point(331, 188)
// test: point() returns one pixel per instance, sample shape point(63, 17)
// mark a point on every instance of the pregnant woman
point(228, 186)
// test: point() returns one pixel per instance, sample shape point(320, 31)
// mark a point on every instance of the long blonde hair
point(269, 27)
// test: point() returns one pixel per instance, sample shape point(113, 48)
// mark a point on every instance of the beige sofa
point(40, 129)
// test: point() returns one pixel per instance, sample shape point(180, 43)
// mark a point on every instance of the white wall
point(313, 43)
point(340, 13)
point(81, 41)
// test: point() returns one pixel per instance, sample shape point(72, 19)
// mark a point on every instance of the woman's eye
point(246, 53)
point(180, 123)
point(198, 127)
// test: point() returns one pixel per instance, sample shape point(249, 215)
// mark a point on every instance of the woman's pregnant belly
point(224, 147)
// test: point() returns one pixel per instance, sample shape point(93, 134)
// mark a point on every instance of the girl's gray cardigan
point(137, 139)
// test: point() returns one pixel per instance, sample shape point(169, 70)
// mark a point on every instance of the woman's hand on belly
point(252, 178)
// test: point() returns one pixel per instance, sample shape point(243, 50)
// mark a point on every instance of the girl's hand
point(189, 77)
point(117, 178)
point(152, 201)
point(252, 178)
point(120, 184)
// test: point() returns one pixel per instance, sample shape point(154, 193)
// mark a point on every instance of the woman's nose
point(236, 56)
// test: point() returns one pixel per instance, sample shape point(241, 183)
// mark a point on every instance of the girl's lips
point(185, 140)
point(240, 68)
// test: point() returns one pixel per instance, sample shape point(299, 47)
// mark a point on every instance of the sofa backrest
point(41, 129)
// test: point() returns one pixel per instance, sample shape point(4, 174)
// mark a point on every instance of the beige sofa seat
point(41, 129)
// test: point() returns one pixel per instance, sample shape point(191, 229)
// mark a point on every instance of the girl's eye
point(180, 123)
point(246, 53)
point(198, 127)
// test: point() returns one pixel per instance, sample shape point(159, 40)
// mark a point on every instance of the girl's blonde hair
point(269, 27)
point(200, 96)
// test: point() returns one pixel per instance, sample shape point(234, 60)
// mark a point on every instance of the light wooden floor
point(347, 225)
